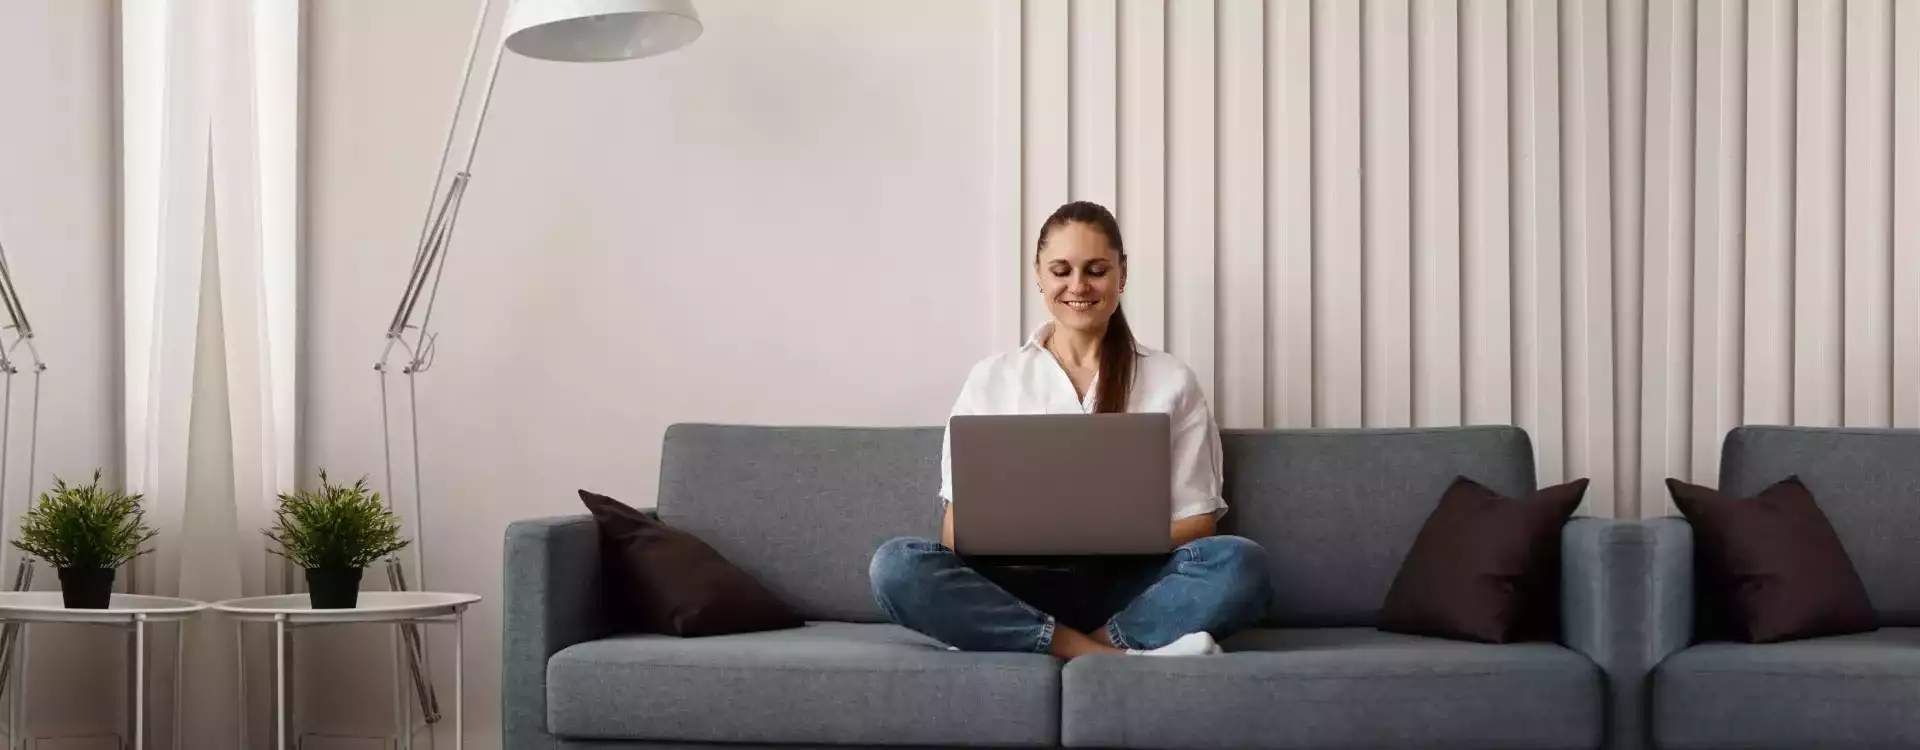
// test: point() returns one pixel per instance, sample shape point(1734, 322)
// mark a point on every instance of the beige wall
point(783, 223)
point(57, 222)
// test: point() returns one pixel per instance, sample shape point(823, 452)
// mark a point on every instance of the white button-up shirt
point(1028, 380)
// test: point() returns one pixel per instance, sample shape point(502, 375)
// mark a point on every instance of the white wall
point(57, 222)
point(1627, 226)
point(739, 232)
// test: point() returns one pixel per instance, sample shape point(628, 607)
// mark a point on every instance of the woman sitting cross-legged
point(1085, 360)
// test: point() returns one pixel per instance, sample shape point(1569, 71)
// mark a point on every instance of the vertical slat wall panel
point(1386, 212)
point(1719, 205)
point(1818, 176)
point(1588, 197)
point(1339, 367)
point(1242, 209)
point(1191, 189)
point(1539, 289)
point(1769, 314)
point(1627, 226)
point(1906, 219)
point(1666, 373)
point(1869, 266)
point(1627, 92)
point(1289, 225)
point(1437, 345)
point(1093, 74)
point(1486, 281)
point(1044, 108)
point(1142, 208)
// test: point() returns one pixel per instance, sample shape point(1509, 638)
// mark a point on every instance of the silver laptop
point(1044, 485)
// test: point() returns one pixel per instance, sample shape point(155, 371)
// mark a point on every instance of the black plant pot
point(86, 588)
point(334, 588)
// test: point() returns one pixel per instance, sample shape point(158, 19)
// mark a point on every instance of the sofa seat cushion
point(825, 683)
point(1337, 688)
point(1851, 691)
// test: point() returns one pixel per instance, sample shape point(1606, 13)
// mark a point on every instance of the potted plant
point(85, 532)
point(335, 532)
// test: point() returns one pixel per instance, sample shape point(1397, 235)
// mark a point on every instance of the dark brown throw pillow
point(1770, 568)
point(665, 580)
point(1484, 568)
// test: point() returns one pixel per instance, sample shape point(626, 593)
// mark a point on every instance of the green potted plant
point(85, 532)
point(335, 532)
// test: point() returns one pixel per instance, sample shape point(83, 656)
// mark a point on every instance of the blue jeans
point(1217, 584)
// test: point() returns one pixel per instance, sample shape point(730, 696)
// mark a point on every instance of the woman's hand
point(1192, 527)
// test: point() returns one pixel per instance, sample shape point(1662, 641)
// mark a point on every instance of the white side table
point(123, 611)
point(395, 607)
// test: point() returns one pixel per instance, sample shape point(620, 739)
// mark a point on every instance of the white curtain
point(210, 176)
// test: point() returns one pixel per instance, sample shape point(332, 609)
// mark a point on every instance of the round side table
point(393, 607)
point(124, 611)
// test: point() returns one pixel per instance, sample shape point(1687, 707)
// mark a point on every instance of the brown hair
point(1117, 348)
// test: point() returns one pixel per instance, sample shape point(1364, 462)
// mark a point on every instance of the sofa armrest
point(551, 600)
point(1627, 603)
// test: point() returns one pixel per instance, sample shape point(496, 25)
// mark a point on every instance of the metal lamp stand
point(17, 335)
point(409, 338)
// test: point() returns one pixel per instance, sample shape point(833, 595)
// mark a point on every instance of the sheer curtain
point(210, 105)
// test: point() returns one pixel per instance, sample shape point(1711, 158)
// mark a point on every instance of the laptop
point(1061, 485)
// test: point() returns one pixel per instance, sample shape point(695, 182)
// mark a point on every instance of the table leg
point(459, 681)
point(16, 704)
point(20, 728)
point(399, 696)
point(280, 678)
point(140, 682)
point(179, 682)
point(243, 705)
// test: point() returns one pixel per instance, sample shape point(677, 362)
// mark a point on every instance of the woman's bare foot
point(1072, 644)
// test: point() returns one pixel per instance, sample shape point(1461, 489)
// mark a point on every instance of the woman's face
point(1080, 276)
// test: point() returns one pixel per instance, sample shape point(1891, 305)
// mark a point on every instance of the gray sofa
point(1860, 691)
point(804, 508)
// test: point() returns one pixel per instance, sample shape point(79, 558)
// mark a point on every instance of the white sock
point(1191, 644)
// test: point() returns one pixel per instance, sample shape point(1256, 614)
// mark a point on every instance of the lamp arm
point(436, 230)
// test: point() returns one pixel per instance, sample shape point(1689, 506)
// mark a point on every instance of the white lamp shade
point(599, 30)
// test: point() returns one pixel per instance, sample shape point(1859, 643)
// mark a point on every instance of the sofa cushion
point(826, 683)
point(1485, 567)
point(1337, 510)
point(1850, 691)
point(802, 509)
point(1868, 485)
point(1769, 567)
point(1337, 688)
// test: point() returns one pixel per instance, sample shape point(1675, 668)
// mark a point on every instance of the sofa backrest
point(803, 508)
point(1337, 510)
point(1866, 481)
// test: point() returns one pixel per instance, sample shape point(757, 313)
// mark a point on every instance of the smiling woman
point(1210, 587)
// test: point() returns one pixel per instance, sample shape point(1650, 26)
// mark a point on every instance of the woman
point(1210, 587)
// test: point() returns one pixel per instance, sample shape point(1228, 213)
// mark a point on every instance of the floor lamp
point(562, 30)
point(21, 333)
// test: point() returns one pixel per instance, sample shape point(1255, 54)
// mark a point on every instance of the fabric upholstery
point(1485, 567)
point(550, 600)
point(1337, 510)
point(1867, 482)
point(826, 683)
point(1769, 567)
point(1337, 688)
point(802, 509)
point(659, 579)
point(1626, 602)
point(1839, 693)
